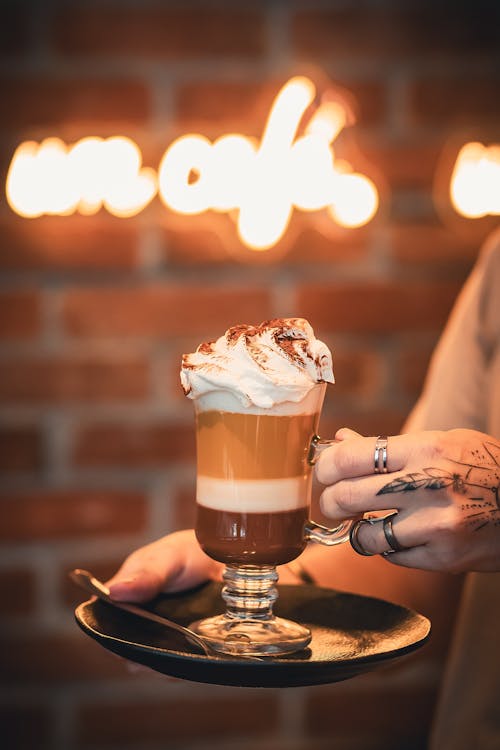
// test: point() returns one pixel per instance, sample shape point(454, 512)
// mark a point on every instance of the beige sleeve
point(462, 388)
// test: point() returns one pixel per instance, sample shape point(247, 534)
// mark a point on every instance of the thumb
point(173, 563)
point(141, 577)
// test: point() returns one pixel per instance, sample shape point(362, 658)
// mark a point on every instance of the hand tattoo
point(473, 480)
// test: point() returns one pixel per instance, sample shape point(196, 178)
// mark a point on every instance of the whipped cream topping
point(279, 360)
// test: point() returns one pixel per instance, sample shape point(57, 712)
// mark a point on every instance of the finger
point(140, 585)
point(345, 433)
point(416, 557)
point(405, 531)
point(144, 573)
point(355, 457)
point(350, 497)
point(174, 563)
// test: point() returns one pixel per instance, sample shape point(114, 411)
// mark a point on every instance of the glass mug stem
point(248, 627)
point(250, 592)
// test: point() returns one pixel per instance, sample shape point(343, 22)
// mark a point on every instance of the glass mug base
point(253, 637)
point(248, 626)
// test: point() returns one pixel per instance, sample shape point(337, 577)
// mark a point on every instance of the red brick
point(334, 245)
point(246, 104)
point(34, 102)
point(184, 508)
point(19, 314)
point(308, 239)
point(375, 32)
point(369, 99)
point(20, 449)
point(432, 243)
point(185, 719)
point(211, 105)
point(24, 726)
point(57, 513)
point(133, 445)
point(335, 706)
point(377, 307)
point(213, 31)
point(455, 98)
point(198, 244)
point(408, 164)
point(59, 379)
point(17, 591)
point(357, 374)
point(68, 243)
point(162, 310)
point(56, 659)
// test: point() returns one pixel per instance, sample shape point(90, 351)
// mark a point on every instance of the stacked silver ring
point(380, 467)
point(380, 455)
point(390, 537)
point(353, 536)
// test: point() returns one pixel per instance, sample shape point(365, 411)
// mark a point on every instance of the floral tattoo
point(478, 482)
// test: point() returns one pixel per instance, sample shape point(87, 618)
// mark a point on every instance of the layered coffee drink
point(258, 392)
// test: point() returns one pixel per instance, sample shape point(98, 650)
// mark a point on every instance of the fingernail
point(117, 586)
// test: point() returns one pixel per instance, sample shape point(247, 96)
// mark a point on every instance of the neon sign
point(94, 173)
point(260, 183)
point(475, 182)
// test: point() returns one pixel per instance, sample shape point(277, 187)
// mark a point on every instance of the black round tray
point(350, 634)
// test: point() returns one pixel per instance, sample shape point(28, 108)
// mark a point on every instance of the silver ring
point(390, 537)
point(353, 537)
point(380, 455)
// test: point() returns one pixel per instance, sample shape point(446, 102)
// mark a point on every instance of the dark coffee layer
point(251, 538)
point(253, 446)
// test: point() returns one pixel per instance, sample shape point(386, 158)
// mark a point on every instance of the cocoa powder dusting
point(234, 333)
point(290, 336)
point(207, 347)
point(186, 364)
point(257, 353)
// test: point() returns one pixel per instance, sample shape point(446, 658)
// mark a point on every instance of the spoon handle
point(93, 586)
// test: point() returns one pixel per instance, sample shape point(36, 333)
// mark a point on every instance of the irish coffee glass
point(254, 477)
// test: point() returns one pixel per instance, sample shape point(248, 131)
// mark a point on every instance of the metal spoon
point(92, 585)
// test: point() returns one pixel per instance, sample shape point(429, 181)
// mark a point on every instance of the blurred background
point(96, 438)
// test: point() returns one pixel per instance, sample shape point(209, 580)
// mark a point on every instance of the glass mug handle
point(315, 532)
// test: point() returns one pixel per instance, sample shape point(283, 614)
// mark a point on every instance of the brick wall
point(96, 441)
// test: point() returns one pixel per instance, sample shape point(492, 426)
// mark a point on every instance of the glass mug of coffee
point(254, 478)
